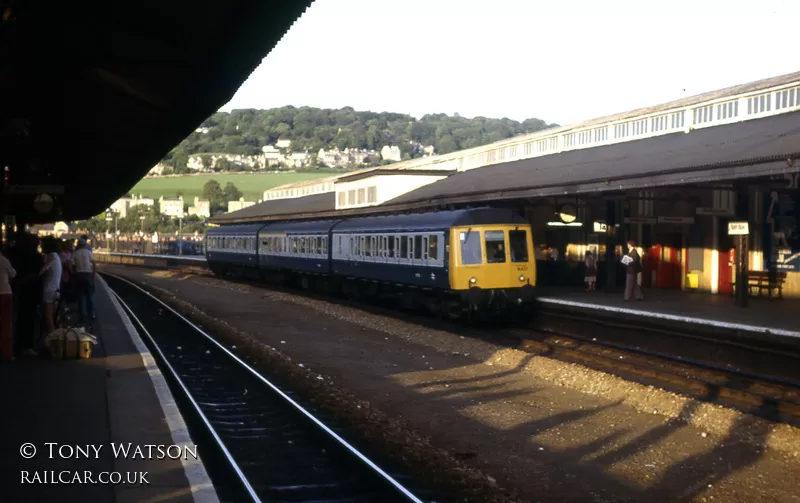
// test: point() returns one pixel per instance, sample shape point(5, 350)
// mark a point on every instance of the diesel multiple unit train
point(449, 262)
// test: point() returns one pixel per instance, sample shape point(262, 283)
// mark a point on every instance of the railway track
point(761, 379)
point(766, 396)
point(267, 446)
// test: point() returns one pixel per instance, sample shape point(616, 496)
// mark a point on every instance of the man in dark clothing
point(633, 266)
point(27, 291)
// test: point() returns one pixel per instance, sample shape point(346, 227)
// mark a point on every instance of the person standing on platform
point(7, 273)
point(633, 266)
point(27, 292)
point(85, 272)
point(52, 271)
point(591, 272)
point(85, 239)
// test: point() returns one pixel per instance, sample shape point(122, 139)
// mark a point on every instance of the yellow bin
point(693, 280)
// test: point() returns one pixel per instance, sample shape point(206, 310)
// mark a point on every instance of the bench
point(763, 280)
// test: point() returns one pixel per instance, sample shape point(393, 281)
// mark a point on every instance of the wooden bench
point(763, 280)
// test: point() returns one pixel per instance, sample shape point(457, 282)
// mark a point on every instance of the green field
point(251, 185)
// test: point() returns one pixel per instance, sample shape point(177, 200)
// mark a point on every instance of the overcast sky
point(562, 62)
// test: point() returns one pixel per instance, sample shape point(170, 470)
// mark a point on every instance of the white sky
point(562, 62)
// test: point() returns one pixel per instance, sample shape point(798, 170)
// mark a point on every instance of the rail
point(275, 447)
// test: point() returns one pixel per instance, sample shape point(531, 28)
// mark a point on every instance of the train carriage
point(232, 247)
point(482, 255)
point(295, 246)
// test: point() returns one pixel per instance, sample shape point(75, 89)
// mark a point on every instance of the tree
point(231, 193)
point(246, 131)
point(216, 198)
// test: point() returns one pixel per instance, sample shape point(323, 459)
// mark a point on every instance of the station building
point(670, 177)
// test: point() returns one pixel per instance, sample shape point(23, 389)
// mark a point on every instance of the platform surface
point(778, 314)
point(109, 398)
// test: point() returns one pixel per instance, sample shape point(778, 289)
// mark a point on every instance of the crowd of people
point(33, 279)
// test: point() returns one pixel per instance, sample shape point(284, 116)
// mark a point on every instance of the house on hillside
point(201, 208)
point(171, 207)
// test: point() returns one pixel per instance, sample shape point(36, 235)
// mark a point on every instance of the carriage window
point(294, 245)
point(495, 247)
point(324, 245)
point(391, 244)
point(518, 242)
point(418, 247)
point(470, 247)
point(433, 249)
point(403, 247)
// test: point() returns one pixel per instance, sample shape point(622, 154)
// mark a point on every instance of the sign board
point(640, 220)
point(676, 220)
point(788, 260)
point(34, 189)
point(600, 227)
point(720, 212)
point(738, 228)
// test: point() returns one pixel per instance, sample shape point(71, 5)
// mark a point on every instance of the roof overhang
point(94, 95)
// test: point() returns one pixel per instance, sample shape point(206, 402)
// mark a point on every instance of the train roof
point(299, 227)
point(438, 220)
point(234, 229)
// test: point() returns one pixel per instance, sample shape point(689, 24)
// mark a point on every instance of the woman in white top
point(7, 273)
point(51, 282)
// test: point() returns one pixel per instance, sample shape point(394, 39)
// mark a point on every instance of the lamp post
point(111, 213)
point(141, 233)
point(180, 234)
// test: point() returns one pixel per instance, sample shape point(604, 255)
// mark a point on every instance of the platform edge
point(672, 317)
point(200, 483)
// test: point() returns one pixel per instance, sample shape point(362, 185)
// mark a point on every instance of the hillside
point(245, 132)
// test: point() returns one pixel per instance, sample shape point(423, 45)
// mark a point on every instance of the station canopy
point(95, 93)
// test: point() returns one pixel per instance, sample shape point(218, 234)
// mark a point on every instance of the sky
point(561, 62)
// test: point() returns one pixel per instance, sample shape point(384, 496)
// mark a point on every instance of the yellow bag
point(70, 343)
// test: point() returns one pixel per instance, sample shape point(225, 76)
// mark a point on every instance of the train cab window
point(495, 247)
point(470, 247)
point(518, 244)
point(418, 247)
point(433, 248)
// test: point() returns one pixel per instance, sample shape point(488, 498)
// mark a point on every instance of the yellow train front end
point(493, 266)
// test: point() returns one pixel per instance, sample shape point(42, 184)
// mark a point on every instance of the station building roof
point(748, 149)
point(276, 208)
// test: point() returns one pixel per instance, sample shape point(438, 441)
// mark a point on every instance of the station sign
point(600, 227)
point(720, 212)
point(676, 220)
point(738, 228)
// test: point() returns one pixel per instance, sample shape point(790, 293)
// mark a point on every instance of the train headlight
point(473, 280)
point(522, 278)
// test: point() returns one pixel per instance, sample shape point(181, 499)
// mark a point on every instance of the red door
point(726, 271)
